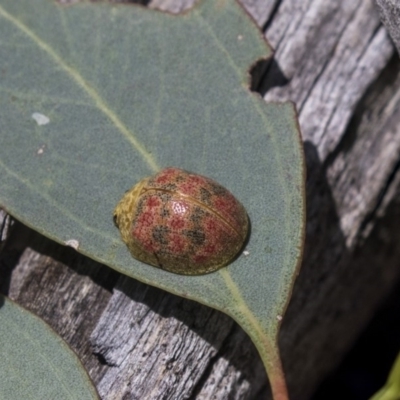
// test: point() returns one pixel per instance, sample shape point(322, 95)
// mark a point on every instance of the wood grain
point(390, 15)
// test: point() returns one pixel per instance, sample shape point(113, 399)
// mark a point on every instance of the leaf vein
point(77, 77)
point(51, 201)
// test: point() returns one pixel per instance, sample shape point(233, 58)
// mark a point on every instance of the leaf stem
point(276, 375)
point(266, 343)
point(270, 356)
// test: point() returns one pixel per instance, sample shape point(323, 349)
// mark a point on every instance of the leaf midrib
point(258, 332)
point(42, 194)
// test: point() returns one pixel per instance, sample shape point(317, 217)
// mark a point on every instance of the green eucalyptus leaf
point(391, 389)
point(94, 97)
point(35, 363)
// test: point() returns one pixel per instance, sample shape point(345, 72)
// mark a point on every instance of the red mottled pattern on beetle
point(219, 199)
point(182, 222)
point(171, 232)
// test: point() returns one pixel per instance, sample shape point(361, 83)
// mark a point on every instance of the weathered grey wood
point(5, 226)
point(327, 79)
point(329, 52)
point(390, 14)
point(258, 9)
point(335, 60)
point(171, 6)
point(155, 353)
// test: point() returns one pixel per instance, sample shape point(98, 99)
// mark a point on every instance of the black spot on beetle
point(160, 234)
point(205, 195)
point(196, 215)
point(217, 189)
point(197, 236)
point(164, 213)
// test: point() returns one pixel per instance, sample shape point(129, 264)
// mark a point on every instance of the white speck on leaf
point(72, 243)
point(246, 253)
point(240, 37)
point(41, 150)
point(279, 317)
point(40, 118)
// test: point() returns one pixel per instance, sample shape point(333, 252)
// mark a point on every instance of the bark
point(390, 14)
point(336, 62)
